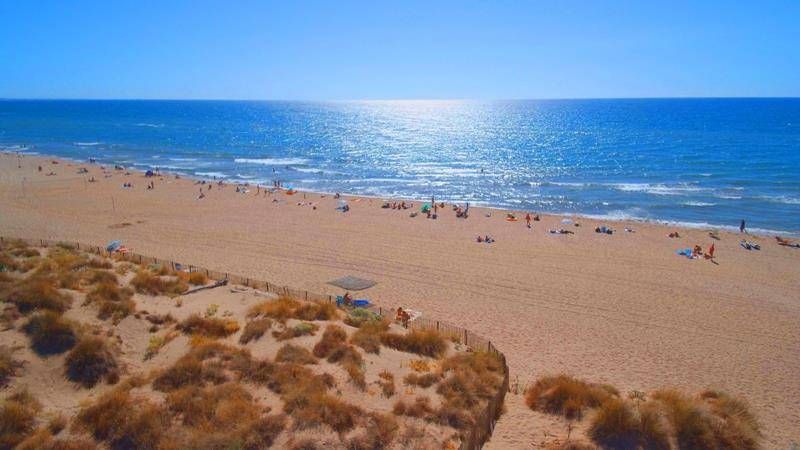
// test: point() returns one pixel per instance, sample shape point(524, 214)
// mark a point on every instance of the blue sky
point(410, 49)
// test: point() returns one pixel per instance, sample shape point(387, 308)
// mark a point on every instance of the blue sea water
point(706, 162)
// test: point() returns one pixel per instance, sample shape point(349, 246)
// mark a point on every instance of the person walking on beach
point(528, 219)
point(741, 227)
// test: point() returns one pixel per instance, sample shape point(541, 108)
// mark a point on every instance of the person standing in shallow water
point(741, 227)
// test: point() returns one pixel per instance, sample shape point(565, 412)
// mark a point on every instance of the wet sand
point(622, 308)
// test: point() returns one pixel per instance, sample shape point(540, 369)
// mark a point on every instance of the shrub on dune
point(89, 361)
point(111, 300)
point(208, 326)
point(422, 380)
point(124, 421)
point(301, 329)
point(380, 431)
point(197, 279)
point(50, 333)
point(565, 395)
point(279, 309)
point(421, 408)
point(333, 337)
point(254, 329)
point(316, 311)
point(146, 282)
point(614, 425)
point(38, 293)
point(295, 354)
point(421, 342)
point(737, 427)
point(368, 335)
point(8, 365)
point(17, 418)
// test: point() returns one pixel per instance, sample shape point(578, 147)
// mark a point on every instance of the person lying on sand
point(710, 254)
point(786, 243)
point(674, 234)
point(560, 231)
point(92, 180)
point(347, 299)
point(697, 251)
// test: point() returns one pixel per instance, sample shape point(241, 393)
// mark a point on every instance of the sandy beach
point(620, 308)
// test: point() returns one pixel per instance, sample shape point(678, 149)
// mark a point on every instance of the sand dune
point(621, 308)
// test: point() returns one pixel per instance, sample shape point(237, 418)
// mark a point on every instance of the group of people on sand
point(397, 205)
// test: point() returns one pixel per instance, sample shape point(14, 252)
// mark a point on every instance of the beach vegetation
point(284, 308)
point(380, 431)
point(208, 326)
point(50, 333)
point(37, 293)
point(386, 382)
point(112, 300)
point(422, 380)
point(91, 360)
point(565, 395)
point(301, 329)
point(359, 316)
point(147, 282)
point(421, 408)
point(254, 329)
point(124, 421)
point(368, 335)
point(17, 418)
point(332, 338)
point(9, 366)
point(295, 354)
point(197, 279)
point(421, 342)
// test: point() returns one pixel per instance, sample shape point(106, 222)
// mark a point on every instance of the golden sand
point(621, 308)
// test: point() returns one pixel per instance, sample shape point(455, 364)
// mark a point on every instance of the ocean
point(693, 162)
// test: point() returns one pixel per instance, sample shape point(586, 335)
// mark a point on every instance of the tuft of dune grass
point(295, 354)
point(421, 342)
point(112, 301)
point(50, 333)
point(565, 395)
point(254, 329)
point(90, 361)
point(301, 329)
point(17, 418)
point(147, 282)
point(9, 366)
point(284, 308)
point(208, 326)
point(37, 293)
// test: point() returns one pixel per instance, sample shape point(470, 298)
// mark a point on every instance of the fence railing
point(474, 438)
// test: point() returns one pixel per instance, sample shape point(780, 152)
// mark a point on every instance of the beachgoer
point(528, 219)
point(348, 299)
point(741, 227)
point(710, 254)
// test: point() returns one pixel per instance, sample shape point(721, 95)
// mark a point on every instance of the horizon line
point(688, 97)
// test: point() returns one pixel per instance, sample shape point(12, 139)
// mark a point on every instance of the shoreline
point(621, 308)
point(704, 226)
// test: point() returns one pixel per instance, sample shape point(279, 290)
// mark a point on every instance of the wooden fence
point(473, 439)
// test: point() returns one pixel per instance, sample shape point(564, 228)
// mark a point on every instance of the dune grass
point(422, 380)
point(208, 326)
point(37, 293)
point(284, 308)
point(197, 279)
point(333, 337)
point(112, 301)
point(421, 408)
point(359, 316)
point(91, 360)
point(368, 335)
point(421, 342)
point(386, 382)
point(50, 333)
point(147, 282)
point(295, 354)
point(254, 329)
point(17, 418)
point(301, 329)
point(380, 430)
point(206, 362)
point(9, 366)
point(124, 421)
point(565, 395)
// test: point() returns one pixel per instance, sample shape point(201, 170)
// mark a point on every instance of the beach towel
point(687, 252)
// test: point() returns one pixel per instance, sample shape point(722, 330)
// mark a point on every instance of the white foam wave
point(245, 177)
point(272, 161)
point(150, 125)
point(211, 174)
point(700, 204)
point(781, 199)
point(183, 159)
point(87, 144)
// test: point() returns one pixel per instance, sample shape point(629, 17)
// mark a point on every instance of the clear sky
point(407, 49)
